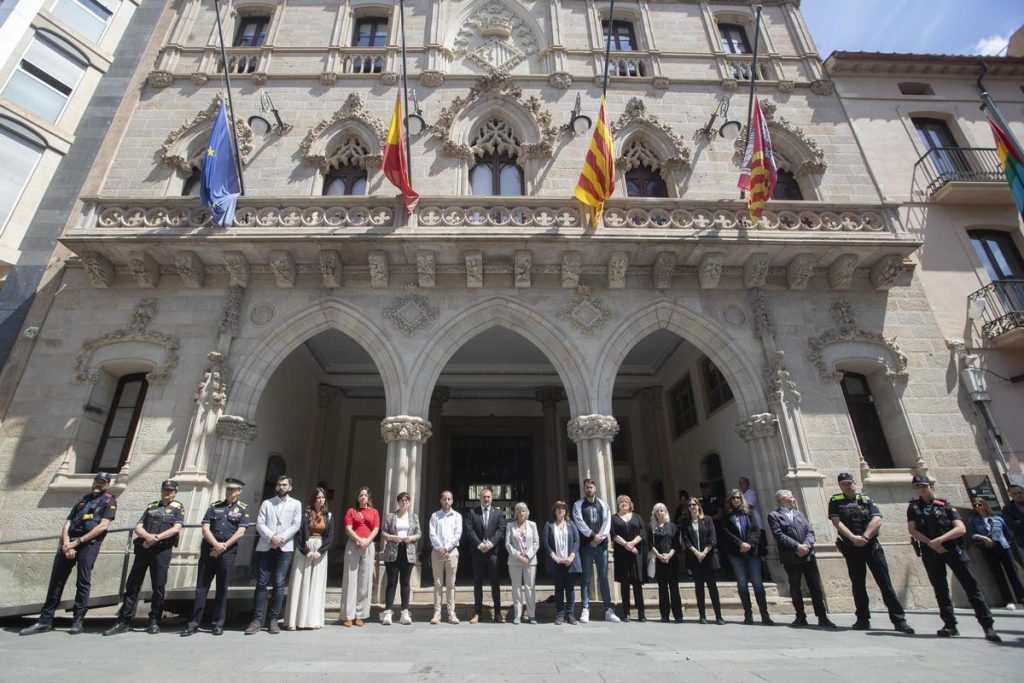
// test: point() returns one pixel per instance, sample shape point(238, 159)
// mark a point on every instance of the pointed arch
point(643, 139)
point(180, 150)
point(795, 151)
point(513, 315)
point(323, 142)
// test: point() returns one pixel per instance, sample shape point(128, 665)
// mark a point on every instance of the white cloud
point(990, 46)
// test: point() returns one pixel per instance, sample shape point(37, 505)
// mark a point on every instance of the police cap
point(169, 485)
point(845, 476)
point(105, 476)
point(921, 479)
point(233, 483)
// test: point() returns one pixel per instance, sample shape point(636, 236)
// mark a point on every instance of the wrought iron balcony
point(1002, 318)
point(968, 174)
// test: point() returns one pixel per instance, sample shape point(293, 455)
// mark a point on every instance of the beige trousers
point(444, 569)
point(524, 580)
point(355, 586)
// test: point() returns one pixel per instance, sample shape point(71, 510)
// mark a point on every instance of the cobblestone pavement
point(598, 651)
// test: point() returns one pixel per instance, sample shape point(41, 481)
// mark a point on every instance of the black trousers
point(807, 571)
point(154, 560)
point(211, 568)
point(85, 558)
point(485, 568)
point(638, 596)
point(398, 571)
point(956, 560)
point(858, 562)
point(565, 590)
point(1000, 563)
point(704, 574)
point(667, 576)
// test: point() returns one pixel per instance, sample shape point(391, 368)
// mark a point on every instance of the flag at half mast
point(759, 173)
point(218, 185)
point(597, 179)
point(395, 164)
point(1013, 165)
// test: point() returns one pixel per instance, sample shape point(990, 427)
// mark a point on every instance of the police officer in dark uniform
point(857, 519)
point(937, 526)
point(156, 536)
point(224, 525)
point(709, 502)
point(80, 541)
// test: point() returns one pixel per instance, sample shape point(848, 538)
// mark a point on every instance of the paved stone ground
point(488, 652)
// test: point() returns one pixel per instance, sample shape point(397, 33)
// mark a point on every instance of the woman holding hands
point(401, 532)
point(700, 545)
point(628, 534)
point(522, 542)
point(307, 587)
point(562, 549)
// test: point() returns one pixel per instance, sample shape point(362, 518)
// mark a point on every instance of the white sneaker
point(609, 615)
point(1011, 606)
point(406, 618)
point(385, 618)
point(584, 615)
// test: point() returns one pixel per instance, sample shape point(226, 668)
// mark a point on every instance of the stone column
point(325, 393)
point(555, 466)
point(593, 436)
point(405, 436)
point(430, 475)
point(658, 433)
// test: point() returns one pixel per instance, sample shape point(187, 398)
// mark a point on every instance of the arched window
point(734, 38)
point(190, 188)
point(496, 175)
point(867, 426)
point(787, 187)
point(345, 180)
point(622, 34)
point(644, 181)
point(251, 30)
point(122, 420)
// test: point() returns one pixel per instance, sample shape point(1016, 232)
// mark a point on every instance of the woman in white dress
point(308, 585)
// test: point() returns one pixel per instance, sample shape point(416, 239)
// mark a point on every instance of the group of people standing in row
point(294, 540)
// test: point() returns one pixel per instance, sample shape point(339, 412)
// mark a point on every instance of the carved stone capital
point(389, 78)
point(405, 428)
point(757, 427)
point(99, 269)
point(144, 268)
point(235, 428)
point(431, 78)
point(199, 78)
point(426, 268)
point(190, 268)
point(755, 270)
point(592, 427)
point(260, 77)
point(572, 268)
point(560, 79)
point(823, 87)
point(710, 270)
point(379, 273)
point(523, 268)
point(661, 83)
point(840, 273)
point(886, 270)
point(618, 264)
point(799, 271)
point(283, 266)
point(238, 268)
point(330, 268)
point(549, 396)
point(664, 269)
point(786, 86)
point(328, 78)
point(160, 79)
point(729, 84)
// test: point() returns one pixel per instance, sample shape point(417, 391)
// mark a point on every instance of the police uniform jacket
point(1013, 515)
point(933, 519)
point(159, 517)
point(88, 512)
point(225, 519)
point(854, 512)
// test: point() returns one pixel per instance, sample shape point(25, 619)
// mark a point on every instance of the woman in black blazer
point(741, 535)
point(700, 545)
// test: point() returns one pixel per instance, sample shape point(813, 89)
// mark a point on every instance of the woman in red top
point(362, 524)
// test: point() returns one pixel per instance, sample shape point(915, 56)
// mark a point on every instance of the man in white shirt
point(277, 523)
point(445, 534)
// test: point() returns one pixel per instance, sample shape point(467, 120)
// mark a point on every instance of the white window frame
point(61, 45)
point(20, 131)
point(106, 4)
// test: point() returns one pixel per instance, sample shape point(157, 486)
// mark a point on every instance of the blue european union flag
point(219, 187)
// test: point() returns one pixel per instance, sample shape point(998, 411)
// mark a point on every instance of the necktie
point(487, 512)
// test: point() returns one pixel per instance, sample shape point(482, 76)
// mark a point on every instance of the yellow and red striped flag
point(395, 165)
point(597, 180)
point(759, 173)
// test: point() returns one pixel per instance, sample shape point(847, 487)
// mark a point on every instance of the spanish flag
point(759, 173)
point(395, 165)
point(597, 180)
point(1013, 166)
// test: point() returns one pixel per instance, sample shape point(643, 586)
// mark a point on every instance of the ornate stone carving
point(523, 268)
point(474, 269)
point(199, 78)
point(426, 268)
point(235, 428)
point(823, 87)
point(661, 83)
point(389, 78)
point(715, 218)
point(757, 427)
point(470, 215)
point(283, 266)
point(173, 153)
point(636, 114)
point(618, 264)
point(144, 268)
point(99, 269)
point(710, 270)
point(886, 270)
point(160, 79)
point(755, 270)
point(549, 396)
point(585, 312)
point(137, 331)
point(379, 274)
point(572, 268)
point(212, 391)
point(840, 273)
point(190, 268)
point(799, 271)
point(405, 428)
point(431, 78)
point(763, 321)
point(330, 268)
point(786, 86)
point(729, 84)
point(261, 314)
point(238, 268)
point(808, 157)
point(508, 39)
point(560, 79)
point(847, 330)
point(411, 312)
point(186, 218)
point(232, 313)
point(260, 77)
point(664, 269)
point(781, 386)
point(328, 78)
point(592, 427)
point(353, 150)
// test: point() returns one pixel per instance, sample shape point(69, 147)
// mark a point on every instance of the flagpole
point(608, 47)
point(753, 78)
point(231, 105)
point(405, 90)
point(988, 105)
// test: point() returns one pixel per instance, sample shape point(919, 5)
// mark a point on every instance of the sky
point(923, 26)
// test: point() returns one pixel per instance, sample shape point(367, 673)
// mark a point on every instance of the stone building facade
point(492, 337)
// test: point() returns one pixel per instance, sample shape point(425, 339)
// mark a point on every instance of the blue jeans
point(270, 563)
point(747, 569)
point(591, 556)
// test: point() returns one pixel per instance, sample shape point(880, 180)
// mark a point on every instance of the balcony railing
point(369, 62)
point(741, 68)
point(629, 65)
point(1004, 307)
point(943, 165)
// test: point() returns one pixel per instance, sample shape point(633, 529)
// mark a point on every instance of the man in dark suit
point(485, 528)
point(795, 538)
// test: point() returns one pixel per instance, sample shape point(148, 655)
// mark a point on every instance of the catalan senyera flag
point(1013, 165)
point(759, 173)
point(597, 179)
point(395, 165)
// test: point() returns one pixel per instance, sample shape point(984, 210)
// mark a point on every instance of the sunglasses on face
point(692, 505)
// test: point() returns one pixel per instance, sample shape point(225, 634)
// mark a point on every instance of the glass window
point(716, 387)
point(251, 31)
point(192, 183)
point(644, 182)
point(88, 17)
point(345, 181)
point(734, 39)
point(683, 405)
point(122, 420)
point(787, 188)
point(19, 155)
point(496, 175)
point(623, 36)
point(998, 254)
point(866, 425)
point(943, 151)
point(370, 32)
point(45, 77)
